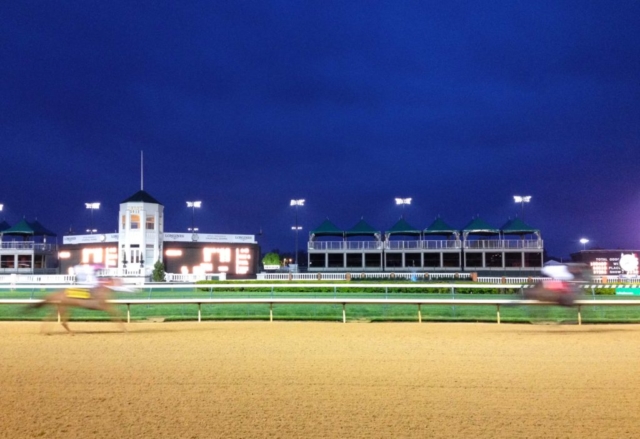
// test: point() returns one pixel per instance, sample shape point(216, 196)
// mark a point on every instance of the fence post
point(344, 313)
point(319, 276)
point(474, 277)
point(348, 277)
point(498, 313)
point(419, 313)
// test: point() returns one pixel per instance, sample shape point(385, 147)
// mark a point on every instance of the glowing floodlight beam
point(193, 205)
point(584, 242)
point(296, 203)
point(403, 201)
point(522, 199)
point(92, 207)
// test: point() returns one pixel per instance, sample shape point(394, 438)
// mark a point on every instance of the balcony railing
point(25, 245)
point(481, 244)
point(491, 244)
point(344, 245)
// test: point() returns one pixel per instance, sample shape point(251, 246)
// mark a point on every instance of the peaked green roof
point(327, 228)
point(362, 229)
point(141, 197)
point(22, 228)
point(479, 226)
point(439, 227)
point(402, 227)
point(517, 226)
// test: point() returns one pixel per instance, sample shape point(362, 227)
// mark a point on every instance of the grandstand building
point(478, 247)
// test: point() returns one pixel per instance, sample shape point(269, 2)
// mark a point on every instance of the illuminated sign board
point(614, 263)
point(208, 237)
point(210, 259)
point(90, 239)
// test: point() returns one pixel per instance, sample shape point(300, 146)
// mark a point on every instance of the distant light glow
point(522, 199)
point(64, 255)
point(194, 204)
point(297, 202)
point(1, 207)
point(92, 205)
point(296, 227)
point(583, 240)
point(173, 252)
point(403, 201)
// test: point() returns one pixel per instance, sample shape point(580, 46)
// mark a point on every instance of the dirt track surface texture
point(313, 380)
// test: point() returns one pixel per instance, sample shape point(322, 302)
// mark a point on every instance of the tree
point(271, 259)
point(158, 272)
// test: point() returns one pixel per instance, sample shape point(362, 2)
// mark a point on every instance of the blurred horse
point(96, 298)
point(564, 286)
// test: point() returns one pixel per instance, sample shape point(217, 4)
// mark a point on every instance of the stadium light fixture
point(522, 199)
point(193, 205)
point(296, 228)
point(403, 202)
point(92, 207)
point(1, 207)
point(584, 242)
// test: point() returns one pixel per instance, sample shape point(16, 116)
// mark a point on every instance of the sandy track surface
point(290, 379)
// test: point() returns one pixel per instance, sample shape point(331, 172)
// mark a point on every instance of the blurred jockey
point(86, 282)
point(563, 287)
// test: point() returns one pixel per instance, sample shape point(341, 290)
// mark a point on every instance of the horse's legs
point(115, 316)
point(64, 318)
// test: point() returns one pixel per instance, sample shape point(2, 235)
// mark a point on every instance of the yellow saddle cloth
point(77, 293)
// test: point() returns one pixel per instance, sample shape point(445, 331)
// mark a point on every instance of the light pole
point(403, 202)
point(584, 242)
point(297, 203)
point(193, 205)
point(92, 207)
point(522, 199)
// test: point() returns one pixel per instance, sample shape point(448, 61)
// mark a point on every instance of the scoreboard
point(612, 262)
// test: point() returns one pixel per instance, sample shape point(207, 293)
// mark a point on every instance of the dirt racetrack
point(312, 380)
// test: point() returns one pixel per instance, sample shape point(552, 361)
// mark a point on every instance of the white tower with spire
point(140, 227)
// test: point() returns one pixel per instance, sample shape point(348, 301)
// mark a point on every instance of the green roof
point(517, 226)
point(402, 227)
point(439, 227)
point(478, 226)
point(26, 228)
point(22, 228)
point(362, 229)
point(327, 228)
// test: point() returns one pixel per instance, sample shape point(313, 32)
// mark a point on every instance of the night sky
point(245, 105)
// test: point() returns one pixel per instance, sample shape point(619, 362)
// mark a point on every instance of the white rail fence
point(419, 303)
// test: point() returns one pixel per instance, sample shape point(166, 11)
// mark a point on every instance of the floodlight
point(297, 203)
point(1, 207)
point(403, 201)
point(92, 205)
point(193, 205)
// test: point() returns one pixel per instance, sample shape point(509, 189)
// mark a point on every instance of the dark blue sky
point(245, 105)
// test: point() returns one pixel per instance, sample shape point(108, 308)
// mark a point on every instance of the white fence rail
point(344, 302)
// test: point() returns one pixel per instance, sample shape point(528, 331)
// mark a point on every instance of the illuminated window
point(173, 252)
point(151, 222)
point(124, 221)
point(92, 255)
point(135, 221)
point(64, 255)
